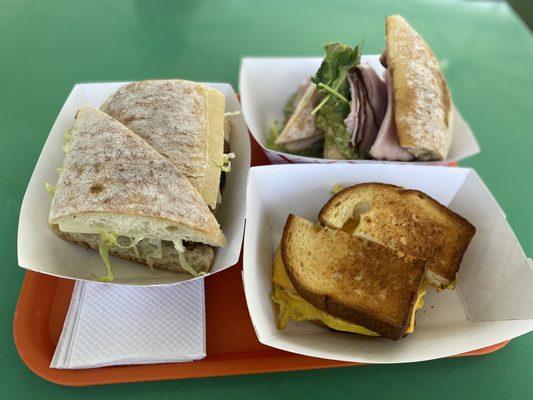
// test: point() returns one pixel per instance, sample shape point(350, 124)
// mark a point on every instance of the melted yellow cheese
point(291, 305)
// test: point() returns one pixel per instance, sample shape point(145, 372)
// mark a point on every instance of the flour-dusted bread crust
point(199, 256)
point(407, 221)
point(113, 180)
point(352, 278)
point(421, 98)
point(182, 120)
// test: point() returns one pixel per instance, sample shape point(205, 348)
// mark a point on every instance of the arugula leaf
point(331, 76)
point(332, 84)
point(330, 119)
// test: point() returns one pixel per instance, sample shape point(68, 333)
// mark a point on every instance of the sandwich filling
point(152, 249)
point(386, 146)
point(352, 108)
point(348, 104)
point(290, 305)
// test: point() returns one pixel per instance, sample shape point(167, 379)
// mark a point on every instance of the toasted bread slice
point(421, 98)
point(182, 120)
point(199, 256)
point(408, 221)
point(352, 278)
point(113, 181)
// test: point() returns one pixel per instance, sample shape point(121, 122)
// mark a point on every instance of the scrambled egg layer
point(291, 305)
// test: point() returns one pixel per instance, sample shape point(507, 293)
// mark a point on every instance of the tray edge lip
point(325, 364)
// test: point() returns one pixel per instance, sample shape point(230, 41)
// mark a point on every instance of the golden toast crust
point(352, 278)
point(407, 221)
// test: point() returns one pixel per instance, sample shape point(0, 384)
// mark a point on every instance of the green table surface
point(48, 46)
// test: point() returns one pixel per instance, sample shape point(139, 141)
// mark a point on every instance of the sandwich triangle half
point(109, 171)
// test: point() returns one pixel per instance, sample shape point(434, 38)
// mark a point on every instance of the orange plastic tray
point(232, 346)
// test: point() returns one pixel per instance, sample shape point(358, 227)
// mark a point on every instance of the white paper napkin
point(116, 325)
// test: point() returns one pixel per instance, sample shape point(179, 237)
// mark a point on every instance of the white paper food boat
point(265, 84)
point(42, 251)
point(494, 297)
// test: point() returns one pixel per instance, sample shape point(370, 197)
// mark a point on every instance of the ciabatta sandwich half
point(115, 192)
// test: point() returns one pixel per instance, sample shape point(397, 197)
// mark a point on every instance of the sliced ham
point(386, 145)
point(352, 120)
point(377, 91)
point(367, 107)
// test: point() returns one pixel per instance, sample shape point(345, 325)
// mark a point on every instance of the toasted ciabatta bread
point(352, 278)
point(199, 256)
point(421, 98)
point(408, 221)
point(113, 181)
point(182, 120)
point(301, 128)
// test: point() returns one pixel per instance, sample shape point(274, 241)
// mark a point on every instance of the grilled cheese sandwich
point(290, 305)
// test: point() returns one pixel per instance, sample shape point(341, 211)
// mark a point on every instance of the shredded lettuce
point(110, 239)
point(59, 170)
point(178, 245)
point(133, 244)
point(107, 239)
point(68, 140)
point(226, 161)
point(135, 248)
point(50, 189)
point(156, 254)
